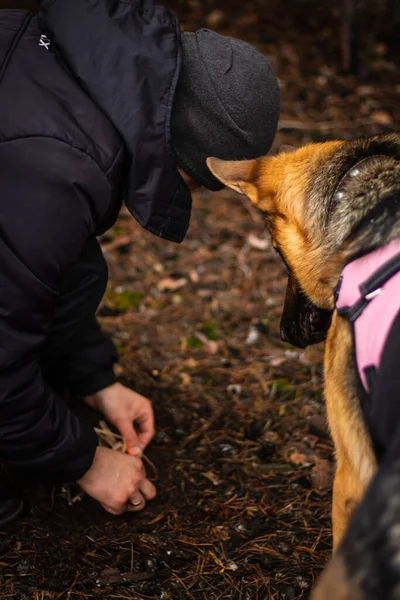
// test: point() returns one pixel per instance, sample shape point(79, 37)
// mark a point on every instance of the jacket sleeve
point(79, 357)
point(89, 367)
point(47, 214)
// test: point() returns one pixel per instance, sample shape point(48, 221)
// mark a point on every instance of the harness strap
point(370, 288)
point(368, 295)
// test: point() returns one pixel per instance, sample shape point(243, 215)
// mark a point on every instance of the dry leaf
point(321, 475)
point(257, 243)
point(382, 117)
point(186, 379)
point(278, 361)
point(191, 363)
point(171, 285)
point(214, 19)
point(253, 336)
point(209, 346)
point(300, 458)
point(271, 436)
point(212, 477)
point(365, 90)
point(203, 293)
point(158, 267)
point(194, 276)
point(318, 426)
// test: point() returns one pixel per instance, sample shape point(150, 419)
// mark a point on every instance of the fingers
point(145, 427)
point(131, 413)
point(147, 488)
point(145, 491)
point(114, 479)
point(138, 490)
point(139, 437)
point(129, 434)
point(136, 502)
point(136, 452)
point(113, 510)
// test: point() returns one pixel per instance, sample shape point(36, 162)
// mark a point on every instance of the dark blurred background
point(355, 35)
point(350, 33)
point(337, 62)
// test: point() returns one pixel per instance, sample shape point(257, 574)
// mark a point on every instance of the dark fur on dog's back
point(361, 194)
point(323, 185)
point(371, 547)
point(367, 565)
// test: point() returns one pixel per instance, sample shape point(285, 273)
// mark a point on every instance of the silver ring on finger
point(137, 501)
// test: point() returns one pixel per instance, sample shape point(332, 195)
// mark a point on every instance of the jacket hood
point(127, 58)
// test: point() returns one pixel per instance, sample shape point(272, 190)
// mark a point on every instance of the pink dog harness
point(368, 295)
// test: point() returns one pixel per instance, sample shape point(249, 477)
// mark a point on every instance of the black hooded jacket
point(86, 91)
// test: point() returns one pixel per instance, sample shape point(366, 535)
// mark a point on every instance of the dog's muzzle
point(302, 324)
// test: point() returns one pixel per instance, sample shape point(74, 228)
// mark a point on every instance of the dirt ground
point(241, 460)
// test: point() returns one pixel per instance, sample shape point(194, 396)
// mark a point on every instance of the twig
point(116, 442)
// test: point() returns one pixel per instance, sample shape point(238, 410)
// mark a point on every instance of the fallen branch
point(324, 125)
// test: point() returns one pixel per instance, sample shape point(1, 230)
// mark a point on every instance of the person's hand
point(117, 481)
point(131, 413)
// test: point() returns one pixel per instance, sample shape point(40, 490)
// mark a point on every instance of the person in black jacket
point(101, 102)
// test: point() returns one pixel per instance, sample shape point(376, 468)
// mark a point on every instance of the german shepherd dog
point(333, 212)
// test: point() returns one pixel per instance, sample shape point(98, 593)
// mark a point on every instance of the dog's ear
point(239, 175)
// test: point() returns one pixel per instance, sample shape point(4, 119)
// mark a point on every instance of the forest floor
point(242, 460)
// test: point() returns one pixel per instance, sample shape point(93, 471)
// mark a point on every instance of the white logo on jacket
point(44, 41)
